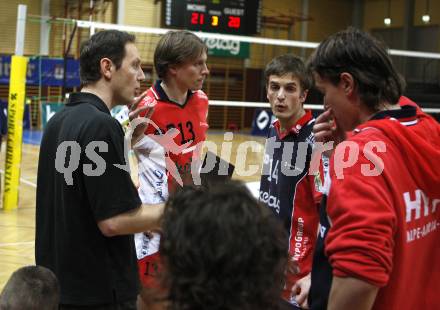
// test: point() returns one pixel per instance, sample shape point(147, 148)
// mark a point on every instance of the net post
point(17, 85)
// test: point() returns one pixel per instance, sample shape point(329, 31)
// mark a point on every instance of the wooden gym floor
point(17, 227)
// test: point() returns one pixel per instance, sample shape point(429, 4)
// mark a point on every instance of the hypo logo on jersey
point(300, 243)
point(420, 211)
point(148, 102)
point(413, 202)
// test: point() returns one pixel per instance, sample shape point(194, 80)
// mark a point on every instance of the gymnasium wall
point(8, 23)
point(376, 10)
point(328, 16)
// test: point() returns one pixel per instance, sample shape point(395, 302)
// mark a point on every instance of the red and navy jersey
point(289, 190)
point(383, 226)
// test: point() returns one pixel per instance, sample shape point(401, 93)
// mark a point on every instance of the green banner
point(48, 110)
point(227, 48)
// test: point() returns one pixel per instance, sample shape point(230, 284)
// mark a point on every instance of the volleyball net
point(235, 85)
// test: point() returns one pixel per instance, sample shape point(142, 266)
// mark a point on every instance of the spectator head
point(30, 288)
point(222, 250)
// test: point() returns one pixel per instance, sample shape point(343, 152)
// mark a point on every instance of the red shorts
point(150, 268)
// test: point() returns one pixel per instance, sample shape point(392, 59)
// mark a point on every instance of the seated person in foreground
point(222, 250)
point(31, 288)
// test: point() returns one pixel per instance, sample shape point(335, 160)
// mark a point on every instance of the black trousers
point(126, 305)
point(284, 305)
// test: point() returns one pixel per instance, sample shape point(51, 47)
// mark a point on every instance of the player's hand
point(300, 291)
point(138, 124)
point(292, 266)
point(326, 129)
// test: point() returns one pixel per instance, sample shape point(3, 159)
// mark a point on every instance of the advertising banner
point(43, 71)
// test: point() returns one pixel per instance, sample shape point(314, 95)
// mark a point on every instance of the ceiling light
point(387, 19)
point(426, 18)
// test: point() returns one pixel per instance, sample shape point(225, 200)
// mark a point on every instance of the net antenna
point(65, 55)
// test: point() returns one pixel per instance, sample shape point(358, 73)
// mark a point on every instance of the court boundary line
point(6, 244)
point(22, 180)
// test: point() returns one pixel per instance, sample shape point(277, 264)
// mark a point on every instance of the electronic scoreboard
point(240, 17)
